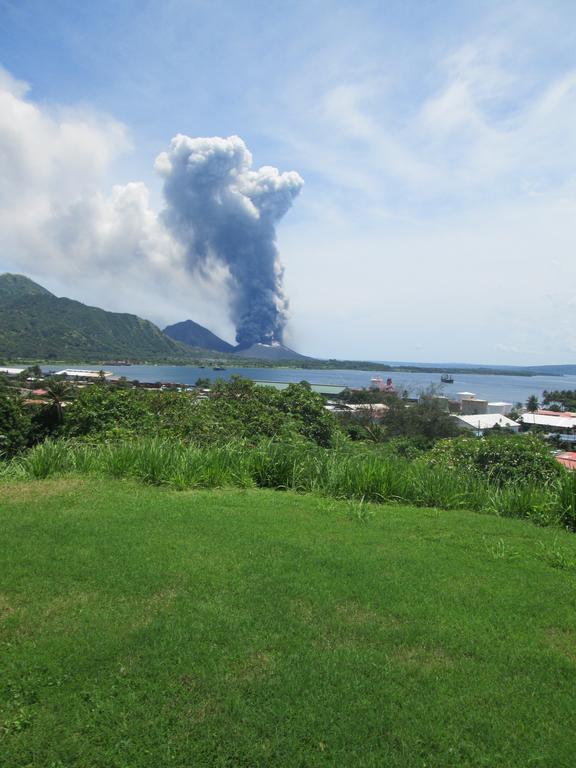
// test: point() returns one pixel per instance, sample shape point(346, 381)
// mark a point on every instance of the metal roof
point(556, 422)
point(487, 421)
point(82, 374)
point(568, 459)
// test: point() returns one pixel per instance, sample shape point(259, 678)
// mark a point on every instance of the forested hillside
point(36, 324)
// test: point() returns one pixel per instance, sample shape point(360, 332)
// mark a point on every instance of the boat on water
point(446, 378)
point(218, 368)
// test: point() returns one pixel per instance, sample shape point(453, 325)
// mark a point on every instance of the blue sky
point(437, 141)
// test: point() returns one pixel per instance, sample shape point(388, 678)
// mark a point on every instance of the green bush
point(15, 426)
point(236, 410)
point(501, 460)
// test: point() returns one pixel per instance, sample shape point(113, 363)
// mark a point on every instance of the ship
point(446, 378)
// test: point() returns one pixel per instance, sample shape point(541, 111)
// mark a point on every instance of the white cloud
point(58, 225)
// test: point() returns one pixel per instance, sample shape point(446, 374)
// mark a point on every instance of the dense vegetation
point(246, 435)
point(147, 628)
point(36, 324)
point(340, 473)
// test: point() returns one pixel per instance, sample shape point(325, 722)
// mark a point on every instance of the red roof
point(568, 459)
point(542, 412)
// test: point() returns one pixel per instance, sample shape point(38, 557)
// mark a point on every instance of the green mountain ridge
point(36, 324)
point(16, 286)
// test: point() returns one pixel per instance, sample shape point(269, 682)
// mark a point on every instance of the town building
point(480, 423)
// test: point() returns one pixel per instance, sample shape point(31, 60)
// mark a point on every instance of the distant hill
point(36, 324)
point(195, 335)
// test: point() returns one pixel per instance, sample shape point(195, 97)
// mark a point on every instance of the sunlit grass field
point(144, 626)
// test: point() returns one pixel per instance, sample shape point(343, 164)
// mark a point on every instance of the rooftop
point(568, 459)
point(558, 421)
point(487, 421)
point(82, 374)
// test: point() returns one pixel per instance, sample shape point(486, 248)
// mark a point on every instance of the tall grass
point(337, 473)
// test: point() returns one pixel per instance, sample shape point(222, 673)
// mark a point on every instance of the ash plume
point(220, 209)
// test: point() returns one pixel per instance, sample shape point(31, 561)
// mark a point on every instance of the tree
point(428, 418)
point(34, 372)
point(532, 403)
point(560, 400)
point(58, 392)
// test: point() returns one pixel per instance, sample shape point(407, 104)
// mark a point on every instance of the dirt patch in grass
point(254, 667)
point(68, 604)
point(348, 624)
point(152, 605)
point(15, 491)
point(6, 608)
point(563, 641)
point(418, 657)
point(204, 710)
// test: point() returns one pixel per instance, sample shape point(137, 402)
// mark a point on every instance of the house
point(482, 422)
point(12, 371)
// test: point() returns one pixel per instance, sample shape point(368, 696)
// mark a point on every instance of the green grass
point(341, 473)
point(143, 626)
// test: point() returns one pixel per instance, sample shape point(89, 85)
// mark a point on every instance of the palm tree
point(58, 391)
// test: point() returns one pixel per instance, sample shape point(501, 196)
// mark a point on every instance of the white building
point(481, 422)
point(71, 373)
point(499, 406)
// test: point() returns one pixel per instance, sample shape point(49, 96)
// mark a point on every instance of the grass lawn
point(148, 627)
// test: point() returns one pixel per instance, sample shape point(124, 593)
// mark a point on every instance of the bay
point(507, 388)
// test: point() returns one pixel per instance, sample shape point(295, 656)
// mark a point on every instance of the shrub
point(237, 410)
point(499, 459)
point(15, 426)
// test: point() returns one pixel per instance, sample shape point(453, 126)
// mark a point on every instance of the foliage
point(561, 400)
point(500, 459)
point(367, 396)
point(36, 324)
point(427, 419)
point(15, 426)
point(532, 404)
point(237, 409)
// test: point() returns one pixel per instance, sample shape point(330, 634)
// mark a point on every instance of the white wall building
point(481, 422)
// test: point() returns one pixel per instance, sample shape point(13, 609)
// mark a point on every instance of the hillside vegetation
point(35, 324)
point(145, 627)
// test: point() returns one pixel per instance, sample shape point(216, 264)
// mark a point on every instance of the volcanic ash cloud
point(222, 210)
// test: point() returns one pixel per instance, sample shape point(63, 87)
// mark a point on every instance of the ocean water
point(508, 388)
